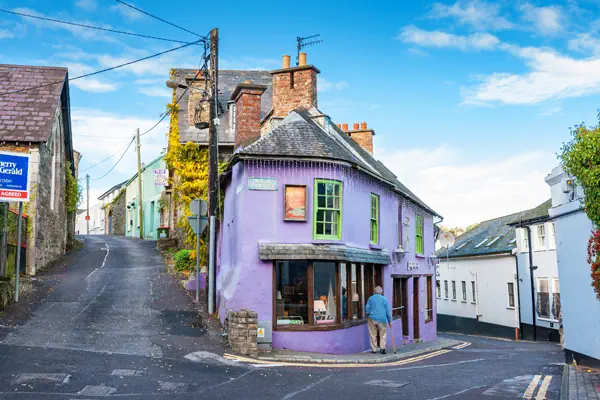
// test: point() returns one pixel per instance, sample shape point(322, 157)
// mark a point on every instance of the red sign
point(13, 194)
point(87, 217)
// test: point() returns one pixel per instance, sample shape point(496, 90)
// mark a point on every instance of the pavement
point(581, 383)
point(107, 321)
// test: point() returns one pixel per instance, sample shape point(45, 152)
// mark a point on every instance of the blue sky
point(470, 100)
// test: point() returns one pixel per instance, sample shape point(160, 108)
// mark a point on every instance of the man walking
point(380, 316)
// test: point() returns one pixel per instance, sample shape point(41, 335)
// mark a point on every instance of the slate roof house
point(479, 288)
point(312, 222)
point(38, 121)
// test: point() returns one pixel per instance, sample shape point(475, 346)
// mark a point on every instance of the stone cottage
point(38, 121)
point(113, 203)
point(312, 223)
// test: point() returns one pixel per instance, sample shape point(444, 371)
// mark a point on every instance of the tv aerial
point(305, 42)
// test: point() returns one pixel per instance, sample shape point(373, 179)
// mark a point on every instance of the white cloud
point(478, 14)
point(92, 84)
point(6, 34)
point(585, 43)
point(551, 111)
point(547, 20)
point(464, 190)
point(88, 5)
point(127, 12)
point(94, 149)
point(324, 85)
point(156, 91)
point(550, 76)
point(418, 52)
point(476, 41)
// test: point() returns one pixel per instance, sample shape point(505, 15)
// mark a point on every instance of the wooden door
point(404, 310)
point(416, 304)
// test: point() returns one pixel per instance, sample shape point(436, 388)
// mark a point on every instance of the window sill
point(420, 255)
point(428, 321)
point(473, 302)
point(453, 300)
point(374, 246)
point(327, 241)
point(510, 308)
point(547, 319)
point(463, 301)
point(332, 327)
point(446, 299)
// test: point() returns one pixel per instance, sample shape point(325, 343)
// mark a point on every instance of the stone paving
point(584, 383)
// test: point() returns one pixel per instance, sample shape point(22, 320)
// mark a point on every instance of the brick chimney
point(294, 87)
point(361, 135)
point(247, 112)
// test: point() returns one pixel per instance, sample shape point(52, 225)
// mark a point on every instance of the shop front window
point(324, 293)
point(292, 293)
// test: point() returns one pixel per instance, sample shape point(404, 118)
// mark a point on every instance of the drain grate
point(41, 378)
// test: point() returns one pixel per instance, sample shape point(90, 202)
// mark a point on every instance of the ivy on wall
point(190, 164)
point(73, 191)
point(580, 158)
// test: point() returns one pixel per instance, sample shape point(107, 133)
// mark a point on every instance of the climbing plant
point(190, 163)
point(73, 191)
point(580, 157)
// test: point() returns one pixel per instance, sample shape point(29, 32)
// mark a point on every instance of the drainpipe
point(519, 323)
point(531, 269)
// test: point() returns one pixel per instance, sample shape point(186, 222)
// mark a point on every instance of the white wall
point(581, 308)
point(96, 221)
point(544, 258)
point(491, 274)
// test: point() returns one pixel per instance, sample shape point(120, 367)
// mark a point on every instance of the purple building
point(312, 222)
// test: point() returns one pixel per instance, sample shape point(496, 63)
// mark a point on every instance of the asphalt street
point(110, 322)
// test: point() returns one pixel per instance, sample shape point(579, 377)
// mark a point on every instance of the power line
point(91, 27)
point(106, 159)
point(100, 136)
point(176, 102)
point(101, 71)
point(117, 163)
point(158, 18)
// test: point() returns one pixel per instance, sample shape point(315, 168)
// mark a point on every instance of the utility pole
point(87, 217)
point(213, 163)
point(139, 165)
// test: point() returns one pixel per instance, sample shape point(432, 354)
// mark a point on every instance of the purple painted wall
point(253, 216)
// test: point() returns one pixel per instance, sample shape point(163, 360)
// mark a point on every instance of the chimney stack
point(294, 87)
point(362, 135)
point(247, 112)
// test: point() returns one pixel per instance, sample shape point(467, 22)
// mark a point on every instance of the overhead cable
point(90, 26)
point(117, 163)
point(106, 159)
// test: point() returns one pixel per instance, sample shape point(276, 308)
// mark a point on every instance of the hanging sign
point(14, 176)
point(161, 177)
point(262, 184)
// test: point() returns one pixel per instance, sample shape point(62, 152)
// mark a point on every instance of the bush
point(184, 260)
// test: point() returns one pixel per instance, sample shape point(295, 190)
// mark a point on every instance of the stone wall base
point(242, 332)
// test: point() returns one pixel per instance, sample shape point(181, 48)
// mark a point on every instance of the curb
point(564, 387)
point(383, 360)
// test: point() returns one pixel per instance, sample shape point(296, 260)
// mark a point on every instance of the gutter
point(519, 333)
point(524, 224)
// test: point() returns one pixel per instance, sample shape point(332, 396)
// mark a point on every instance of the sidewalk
point(409, 350)
point(580, 383)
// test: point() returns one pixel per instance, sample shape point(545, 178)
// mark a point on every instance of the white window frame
point(540, 237)
point(552, 236)
point(514, 296)
point(537, 287)
point(525, 241)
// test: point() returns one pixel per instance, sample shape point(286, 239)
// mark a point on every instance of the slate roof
point(112, 189)
point(467, 244)
point(228, 80)
point(276, 251)
point(298, 135)
point(27, 116)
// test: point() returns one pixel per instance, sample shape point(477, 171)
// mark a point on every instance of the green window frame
point(327, 214)
point(419, 234)
point(374, 218)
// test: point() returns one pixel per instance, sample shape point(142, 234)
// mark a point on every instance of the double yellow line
point(334, 365)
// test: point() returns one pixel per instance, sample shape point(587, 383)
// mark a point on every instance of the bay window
point(327, 222)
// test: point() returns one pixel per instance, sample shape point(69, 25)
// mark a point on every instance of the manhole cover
point(41, 378)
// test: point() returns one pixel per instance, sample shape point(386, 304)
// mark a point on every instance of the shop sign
point(14, 176)
point(413, 265)
point(267, 184)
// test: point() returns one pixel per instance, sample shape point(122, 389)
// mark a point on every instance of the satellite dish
point(446, 239)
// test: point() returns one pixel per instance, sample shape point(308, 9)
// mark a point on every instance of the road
point(111, 323)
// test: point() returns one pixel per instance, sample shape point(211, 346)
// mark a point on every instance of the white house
point(96, 221)
point(580, 307)
point(477, 283)
point(545, 291)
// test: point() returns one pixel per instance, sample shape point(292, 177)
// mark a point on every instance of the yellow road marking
point(334, 365)
point(544, 388)
point(531, 388)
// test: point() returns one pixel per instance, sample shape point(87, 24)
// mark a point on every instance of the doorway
point(151, 230)
point(416, 308)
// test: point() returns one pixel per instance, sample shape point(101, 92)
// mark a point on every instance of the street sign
point(199, 207)
point(87, 217)
point(269, 184)
point(161, 177)
point(193, 221)
point(14, 176)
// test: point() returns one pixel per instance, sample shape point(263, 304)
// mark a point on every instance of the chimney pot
point(345, 127)
point(339, 126)
point(355, 126)
point(302, 59)
point(286, 62)
point(363, 126)
point(248, 81)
